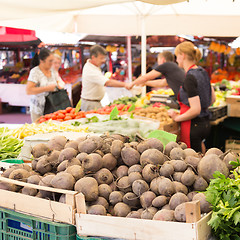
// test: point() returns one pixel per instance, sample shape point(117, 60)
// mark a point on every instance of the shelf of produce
point(233, 106)
point(38, 207)
point(141, 229)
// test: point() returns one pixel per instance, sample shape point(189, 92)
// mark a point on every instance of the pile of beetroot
point(122, 178)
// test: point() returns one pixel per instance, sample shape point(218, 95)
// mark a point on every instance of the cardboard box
point(233, 145)
point(233, 106)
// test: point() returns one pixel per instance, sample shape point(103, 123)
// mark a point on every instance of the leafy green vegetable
point(224, 195)
point(114, 114)
point(92, 119)
point(10, 147)
point(132, 108)
point(78, 106)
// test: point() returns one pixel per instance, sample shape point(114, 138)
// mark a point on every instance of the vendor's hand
point(173, 114)
point(51, 87)
point(128, 86)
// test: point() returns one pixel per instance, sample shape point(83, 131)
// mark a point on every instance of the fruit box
point(233, 106)
point(38, 207)
point(196, 227)
point(233, 145)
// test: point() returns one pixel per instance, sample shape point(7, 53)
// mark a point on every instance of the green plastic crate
point(17, 226)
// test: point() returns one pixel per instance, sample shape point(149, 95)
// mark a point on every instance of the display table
point(15, 94)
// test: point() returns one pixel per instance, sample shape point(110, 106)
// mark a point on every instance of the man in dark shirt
point(174, 76)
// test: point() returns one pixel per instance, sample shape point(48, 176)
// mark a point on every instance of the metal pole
point(143, 51)
point(129, 56)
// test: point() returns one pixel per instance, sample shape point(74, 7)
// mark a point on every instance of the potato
point(191, 195)
point(53, 158)
point(154, 185)
point(89, 187)
point(177, 176)
point(67, 163)
point(81, 156)
point(34, 179)
point(43, 165)
point(9, 186)
point(209, 164)
point(149, 144)
point(193, 161)
point(190, 152)
point(182, 145)
point(164, 215)
point(29, 191)
point(46, 181)
point(231, 156)
point(130, 156)
point(152, 156)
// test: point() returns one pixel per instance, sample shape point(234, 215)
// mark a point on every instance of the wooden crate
point(233, 145)
point(141, 229)
point(38, 207)
point(233, 106)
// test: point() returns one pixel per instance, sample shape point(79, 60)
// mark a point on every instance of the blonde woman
point(195, 96)
point(57, 61)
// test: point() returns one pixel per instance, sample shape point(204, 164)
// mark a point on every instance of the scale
point(168, 100)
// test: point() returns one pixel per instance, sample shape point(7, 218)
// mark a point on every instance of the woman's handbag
point(57, 100)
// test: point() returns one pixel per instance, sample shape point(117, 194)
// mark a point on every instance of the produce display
point(157, 113)
point(10, 147)
point(223, 194)
point(45, 127)
point(122, 178)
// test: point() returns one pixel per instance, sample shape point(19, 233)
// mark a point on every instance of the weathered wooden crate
point(233, 106)
point(141, 229)
point(38, 207)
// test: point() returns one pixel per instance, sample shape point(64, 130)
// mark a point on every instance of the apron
point(185, 125)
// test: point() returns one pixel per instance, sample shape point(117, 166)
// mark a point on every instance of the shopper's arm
point(213, 96)
point(157, 83)
point(115, 83)
point(149, 76)
point(192, 112)
point(31, 88)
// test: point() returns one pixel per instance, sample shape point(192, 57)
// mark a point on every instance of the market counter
point(15, 94)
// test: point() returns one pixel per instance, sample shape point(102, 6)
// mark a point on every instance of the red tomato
point(67, 118)
point(42, 120)
point(68, 109)
point(60, 116)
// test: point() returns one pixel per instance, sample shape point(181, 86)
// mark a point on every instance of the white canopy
point(124, 17)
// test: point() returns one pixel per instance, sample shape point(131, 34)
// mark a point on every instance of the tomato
point(48, 116)
point(68, 109)
point(60, 116)
point(67, 118)
point(42, 120)
point(62, 111)
point(73, 110)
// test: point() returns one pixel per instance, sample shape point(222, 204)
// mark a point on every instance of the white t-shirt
point(93, 82)
point(37, 102)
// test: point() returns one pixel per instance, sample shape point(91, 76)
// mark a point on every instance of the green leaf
point(114, 113)
point(131, 116)
point(132, 108)
point(236, 217)
point(78, 107)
